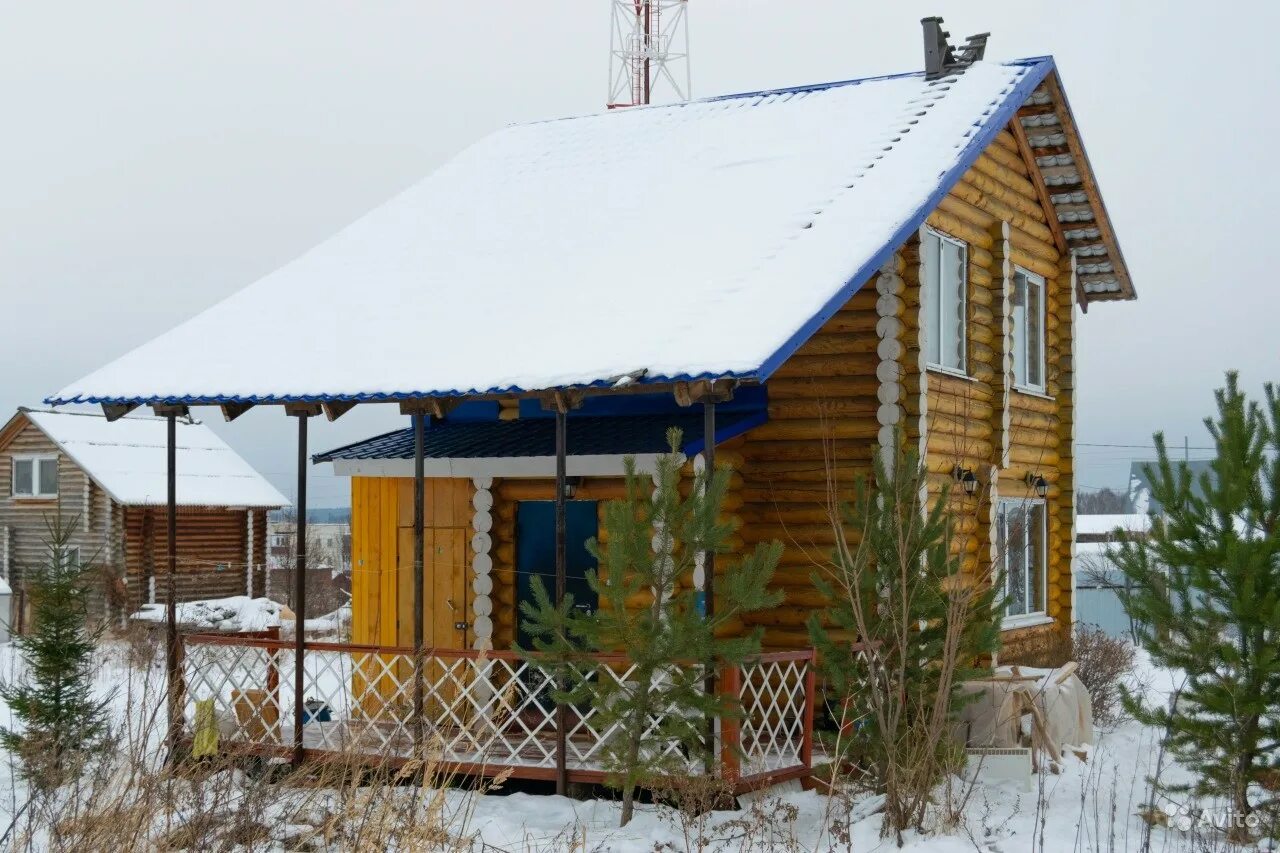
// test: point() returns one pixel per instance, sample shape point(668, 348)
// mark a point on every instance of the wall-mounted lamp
point(1038, 483)
point(571, 487)
point(965, 477)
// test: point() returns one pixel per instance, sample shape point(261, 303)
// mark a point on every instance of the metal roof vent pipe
point(940, 57)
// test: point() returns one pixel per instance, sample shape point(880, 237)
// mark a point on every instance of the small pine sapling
point(1204, 591)
point(658, 712)
point(907, 628)
point(62, 721)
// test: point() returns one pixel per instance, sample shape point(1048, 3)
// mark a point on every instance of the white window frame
point(1020, 343)
point(70, 550)
point(35, 459)
point(1033, 617)
point(963, 344)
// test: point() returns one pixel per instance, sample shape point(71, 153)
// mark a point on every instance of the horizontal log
point(803, 366)
point(850, 322)
point(954, 226)
point(958, 450)
point(780, 450)
point(803, 534)
point(1001, 211)
point(1039, 266)
point(992, 168)
point(820, 408)
point(990, 187)
point(1036, 457)
point(823, 388)
point(957, 406)
point(970, 214)
point(785, 514)
point(941, 422)
point(1010, 160)
point(828, 343)
point(1033, 403)
point(814, 429)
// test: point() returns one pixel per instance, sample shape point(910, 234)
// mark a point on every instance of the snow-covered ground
point(1090, 805)
point(238, 613)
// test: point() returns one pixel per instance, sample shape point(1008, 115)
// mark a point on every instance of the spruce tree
point(1204, 589)
point(659, 712)
point(62, 721)
point(922, 625)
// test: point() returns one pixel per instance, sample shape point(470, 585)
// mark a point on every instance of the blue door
point(536, 554)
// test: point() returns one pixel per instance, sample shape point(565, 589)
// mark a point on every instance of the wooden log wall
point(863, 374)
point(212, 545)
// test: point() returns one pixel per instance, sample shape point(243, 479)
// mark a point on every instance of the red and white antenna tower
point(648, 51)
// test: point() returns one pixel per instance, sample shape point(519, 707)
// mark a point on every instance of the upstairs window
point(1028, 330)
point(944, 282)
point(35, 476)
point(1021, 543)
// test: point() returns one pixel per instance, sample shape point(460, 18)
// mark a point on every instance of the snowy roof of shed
point(703, 239)
point(127, 459)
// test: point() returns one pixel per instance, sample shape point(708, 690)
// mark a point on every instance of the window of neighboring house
point(71, 554)
point(1021, 532)
point(943, 284)
point(1028, 330)
point(35, 476)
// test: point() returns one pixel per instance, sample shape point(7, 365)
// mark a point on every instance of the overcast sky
point(156, 157)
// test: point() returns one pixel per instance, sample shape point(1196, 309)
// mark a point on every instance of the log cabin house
point(789, 275)
point(108, 482)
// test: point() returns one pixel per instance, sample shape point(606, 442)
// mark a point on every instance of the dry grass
point(1106, 663)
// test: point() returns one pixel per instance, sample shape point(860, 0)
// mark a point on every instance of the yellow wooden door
point(445, 620)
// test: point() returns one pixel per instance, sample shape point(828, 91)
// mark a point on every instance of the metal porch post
point(562, 716)
point(300, 590)
point(172, 663)
point(419, 562)
point(709, 568)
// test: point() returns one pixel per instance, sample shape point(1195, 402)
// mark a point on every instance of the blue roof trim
point(379, 397)
point(1038, 69)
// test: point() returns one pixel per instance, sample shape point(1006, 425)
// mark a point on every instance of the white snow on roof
point(685, 240)
point(128, 459)
point(1098, 525)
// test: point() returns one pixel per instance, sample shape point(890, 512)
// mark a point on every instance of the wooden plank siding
point(381, 592)
point(212, 552)
point(832, 400)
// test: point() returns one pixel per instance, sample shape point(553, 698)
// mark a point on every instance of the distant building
point(328, 545)
point(108, 480)
point(1141, 500)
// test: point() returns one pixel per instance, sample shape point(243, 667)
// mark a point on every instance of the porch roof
point(535, 437)
point(703, 239)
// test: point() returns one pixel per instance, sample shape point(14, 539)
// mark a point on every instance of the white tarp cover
point(994, 718)
point(700, 239)
point(128, 459)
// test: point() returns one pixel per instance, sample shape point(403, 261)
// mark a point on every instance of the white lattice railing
point(775, 730)
point(485, 710)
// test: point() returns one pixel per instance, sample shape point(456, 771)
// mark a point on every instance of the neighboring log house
point(107, 481)
point(844, 260)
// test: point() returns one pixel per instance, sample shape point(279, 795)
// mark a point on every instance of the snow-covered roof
point(703, 239)
point(1101, 525)
point(127, 458)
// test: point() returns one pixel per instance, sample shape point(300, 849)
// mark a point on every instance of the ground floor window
point(1021, 546)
